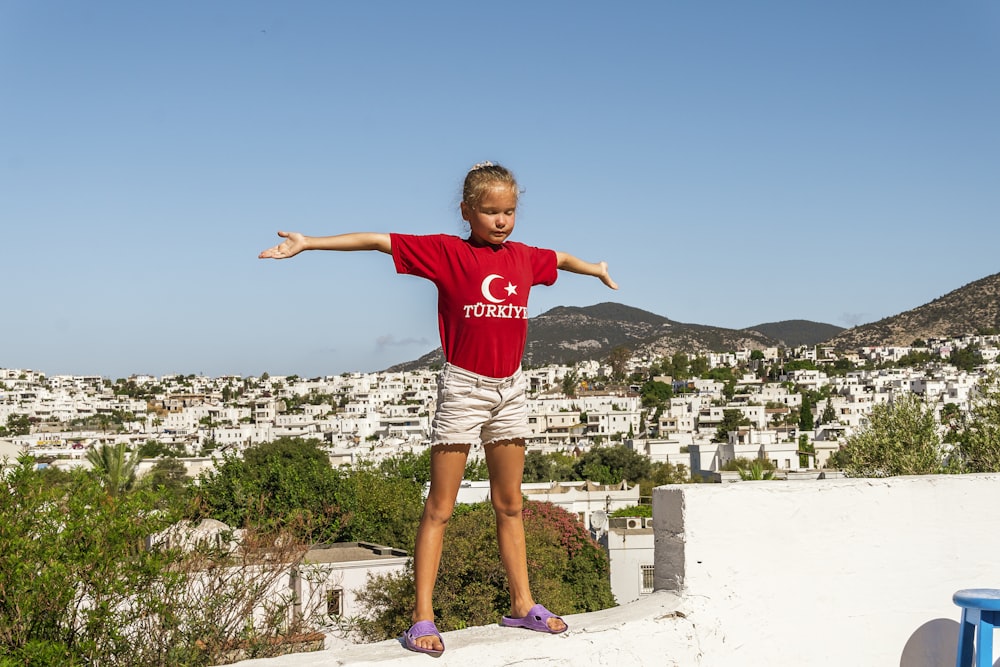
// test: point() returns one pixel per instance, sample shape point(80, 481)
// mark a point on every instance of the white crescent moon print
point(486, 288)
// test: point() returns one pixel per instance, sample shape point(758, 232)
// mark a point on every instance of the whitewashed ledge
point(825, 573)
point(654, 631)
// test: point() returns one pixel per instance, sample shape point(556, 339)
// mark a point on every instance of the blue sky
point(734, 162)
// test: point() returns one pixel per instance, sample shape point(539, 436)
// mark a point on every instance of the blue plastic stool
point(980, 609)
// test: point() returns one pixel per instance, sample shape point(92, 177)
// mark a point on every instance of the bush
point(979, 440)
point(285, 484)
point(79, 585)
point(901, 439)
point(289, 484)
point(568, 570)
point(634, 510)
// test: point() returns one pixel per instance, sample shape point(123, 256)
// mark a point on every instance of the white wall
point(837, 572)
point(628, 552)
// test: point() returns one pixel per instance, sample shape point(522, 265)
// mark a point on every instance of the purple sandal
point(536, 619)
point(423, 629)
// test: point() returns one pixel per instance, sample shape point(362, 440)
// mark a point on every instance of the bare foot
point(554, 623)
point(429, 642)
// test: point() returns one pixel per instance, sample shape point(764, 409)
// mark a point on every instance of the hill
point(971, 309)
point(797, 332)
point(568, 334)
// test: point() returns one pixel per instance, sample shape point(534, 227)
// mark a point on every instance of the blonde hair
point(482, 178)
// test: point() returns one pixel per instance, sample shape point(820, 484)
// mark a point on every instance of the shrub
point(901, 439)
point(79, 584)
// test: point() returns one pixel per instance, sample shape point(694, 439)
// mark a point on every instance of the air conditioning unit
point(647, 522)
point(634, 522)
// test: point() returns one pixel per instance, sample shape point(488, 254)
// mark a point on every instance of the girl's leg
point(447, 469)
point(505, 460)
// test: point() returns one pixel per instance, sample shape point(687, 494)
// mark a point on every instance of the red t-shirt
point(482, 295)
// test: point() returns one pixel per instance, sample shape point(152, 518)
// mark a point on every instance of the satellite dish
point(598, 519)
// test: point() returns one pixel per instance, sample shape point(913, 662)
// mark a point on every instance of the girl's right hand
point(293, 244)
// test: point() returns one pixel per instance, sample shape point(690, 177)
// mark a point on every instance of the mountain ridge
point(569, 334)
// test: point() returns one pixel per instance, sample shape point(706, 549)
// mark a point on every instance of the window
point(646, 572)
point(335, 602)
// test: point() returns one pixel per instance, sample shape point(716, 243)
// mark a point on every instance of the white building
point(629, 544)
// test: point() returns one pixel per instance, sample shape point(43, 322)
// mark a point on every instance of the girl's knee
point(437, 513)
point(508, 508)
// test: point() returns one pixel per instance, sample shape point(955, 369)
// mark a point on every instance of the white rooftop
point(807, 573)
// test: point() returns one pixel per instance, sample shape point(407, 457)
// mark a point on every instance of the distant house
point(9, 451)
point(629, 545)
point(322, 584)
point(347, 567)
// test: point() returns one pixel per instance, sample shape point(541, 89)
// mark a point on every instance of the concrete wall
point(836, 572)
point(629, 551)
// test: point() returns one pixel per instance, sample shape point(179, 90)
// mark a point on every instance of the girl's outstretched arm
point(295, 243)
point(568, 262)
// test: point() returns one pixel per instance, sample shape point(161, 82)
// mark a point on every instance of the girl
point(483, 283)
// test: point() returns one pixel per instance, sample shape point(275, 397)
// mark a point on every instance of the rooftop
point(346, 552)
point(820, 573)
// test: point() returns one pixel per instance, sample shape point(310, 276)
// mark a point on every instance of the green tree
point(678, 366)
point(757, 469)
point(953, 420)
point(415, 467)
point(732, 419)
point(829, 415)
point(806, 422)
point(570, 382)
point(698, 366)
point(966, 358)
point(916, 358)
point(114, 467)
point(612, 465)
point(285, 484)
point(80, 588)
point(655, 393)
point(18, 424)
point(378, 508)
point(979, 439)
point(152, 449)
point(618, 359)
point(169, 474)
point(901, 438)
point(548, 467)
point(537, 467)
point(476, 469)
point(289, 484)
point(806, 447)
point(663, 472)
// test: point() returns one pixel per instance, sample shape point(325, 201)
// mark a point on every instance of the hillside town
point(572, 408)
point(701, 426)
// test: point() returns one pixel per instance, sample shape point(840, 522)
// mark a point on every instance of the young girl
point(483, 283)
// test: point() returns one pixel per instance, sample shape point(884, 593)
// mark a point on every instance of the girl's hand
point(293, 244)
point(605, 278)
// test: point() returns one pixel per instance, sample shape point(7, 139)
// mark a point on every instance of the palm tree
point(114, 467)
point(755, 470)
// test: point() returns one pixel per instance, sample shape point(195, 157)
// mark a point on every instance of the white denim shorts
point(474, 409)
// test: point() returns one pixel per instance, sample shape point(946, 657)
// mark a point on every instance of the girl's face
point(492, 220)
